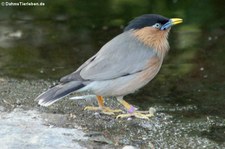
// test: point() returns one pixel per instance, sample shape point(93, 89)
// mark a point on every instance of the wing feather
point(123, 55)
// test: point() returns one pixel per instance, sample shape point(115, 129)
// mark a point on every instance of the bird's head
point(152, 20)
point(152, 30)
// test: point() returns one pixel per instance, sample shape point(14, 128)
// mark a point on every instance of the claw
point(105, 110)
point(90, 108)
point(108, 111)
point(138, 114)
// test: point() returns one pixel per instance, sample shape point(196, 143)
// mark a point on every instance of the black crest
point(146, 20)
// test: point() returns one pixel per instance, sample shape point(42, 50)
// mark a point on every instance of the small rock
point(2, 80)
point(129, 147)
point(129, 118)
point(2, 109)
point(152, 110)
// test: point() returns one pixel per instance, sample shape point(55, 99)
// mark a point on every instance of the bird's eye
point(157, 25)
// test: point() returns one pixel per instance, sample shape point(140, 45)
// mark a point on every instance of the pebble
point(2, 109)
point(129, 147)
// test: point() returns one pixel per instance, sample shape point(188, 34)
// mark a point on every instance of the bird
point(122, 66)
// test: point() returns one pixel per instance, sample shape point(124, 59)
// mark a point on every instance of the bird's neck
point(154, 38)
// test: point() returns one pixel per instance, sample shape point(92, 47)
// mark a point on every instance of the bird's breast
point(153, 67)
point(153, 38)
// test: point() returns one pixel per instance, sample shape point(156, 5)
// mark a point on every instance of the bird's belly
point(123, 85)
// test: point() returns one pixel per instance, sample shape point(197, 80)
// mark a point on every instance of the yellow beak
point(175, 21)
point(171, 22)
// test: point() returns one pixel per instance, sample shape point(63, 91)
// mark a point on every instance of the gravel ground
point(24, 124)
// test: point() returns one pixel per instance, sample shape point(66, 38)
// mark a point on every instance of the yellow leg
point(132, 111)
point(100, 100)
point(105, 110)
point(126, 105)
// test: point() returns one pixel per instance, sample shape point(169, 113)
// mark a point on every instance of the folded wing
point(123, 55)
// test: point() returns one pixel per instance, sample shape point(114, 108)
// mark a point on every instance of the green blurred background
point(50, 41)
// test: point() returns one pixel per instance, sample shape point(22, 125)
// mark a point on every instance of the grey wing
point(121, 56)
point(76, 75)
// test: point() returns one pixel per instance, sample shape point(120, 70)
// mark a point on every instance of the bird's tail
point(57, 92)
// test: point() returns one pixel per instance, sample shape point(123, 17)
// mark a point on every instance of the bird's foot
point(105, 110)
point(138, 114)
point(109, 111)
point(91, 108)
